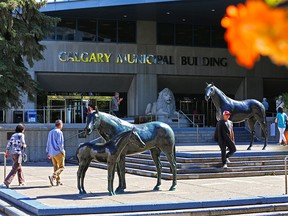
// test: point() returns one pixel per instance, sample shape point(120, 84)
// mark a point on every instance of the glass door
point(56, 109)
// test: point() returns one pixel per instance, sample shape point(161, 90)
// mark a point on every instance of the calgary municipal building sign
point(149, 59)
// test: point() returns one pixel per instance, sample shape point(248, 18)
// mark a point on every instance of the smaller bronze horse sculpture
point(250, 110)
point(108, 153)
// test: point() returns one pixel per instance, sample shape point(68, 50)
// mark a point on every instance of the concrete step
point(206, 167)
point(186, 135)
point(241, 210)
point(150, 171)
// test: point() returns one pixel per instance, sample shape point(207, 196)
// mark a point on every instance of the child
point(15, 146)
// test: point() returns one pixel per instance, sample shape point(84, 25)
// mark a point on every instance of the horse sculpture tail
point(77, 151)
point(174, 156)
point(174, 152)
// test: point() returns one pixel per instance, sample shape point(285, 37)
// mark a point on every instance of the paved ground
point(139, 189)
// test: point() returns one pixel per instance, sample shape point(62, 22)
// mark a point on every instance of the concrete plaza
point(40, 198)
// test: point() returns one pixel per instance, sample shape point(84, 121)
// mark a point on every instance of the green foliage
point(22, 27)
point(285, 100)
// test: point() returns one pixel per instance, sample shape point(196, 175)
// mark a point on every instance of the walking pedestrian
point(224, 135)
point(55, 151)
point(281, 119)
point(15, 147)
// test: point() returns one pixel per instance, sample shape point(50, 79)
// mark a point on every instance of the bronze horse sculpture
point(157, 136)
point(251, 110)
point(108, 152)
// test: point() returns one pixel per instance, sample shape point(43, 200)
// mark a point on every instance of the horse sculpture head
point(209, 91)
point(93, 121)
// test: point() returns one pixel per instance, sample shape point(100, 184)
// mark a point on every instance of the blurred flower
point(254, 29)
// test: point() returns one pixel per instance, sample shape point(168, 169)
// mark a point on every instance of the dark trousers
point(232, 149)
point(16, 168)
point(116, 113)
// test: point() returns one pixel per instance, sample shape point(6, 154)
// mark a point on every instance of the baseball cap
point(226, 112)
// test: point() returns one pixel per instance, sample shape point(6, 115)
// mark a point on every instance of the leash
point(69, 138)
point(74, 136)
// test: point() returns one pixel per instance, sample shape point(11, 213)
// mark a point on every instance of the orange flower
point(255, 29)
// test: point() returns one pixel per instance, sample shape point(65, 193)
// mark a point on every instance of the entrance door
point(56, 109)
point(70, 108)
point(74, 110)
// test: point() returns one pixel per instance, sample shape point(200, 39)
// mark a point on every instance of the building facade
point(101, 47)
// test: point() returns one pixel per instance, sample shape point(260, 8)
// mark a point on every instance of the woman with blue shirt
point(281, 119)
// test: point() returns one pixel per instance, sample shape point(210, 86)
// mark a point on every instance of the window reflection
point(86, 30)
point(218, 37)
point(184, 35)
point(107, 31)
point(126, 32)
point(190, 35)
point(165, 33)
point(202, 36)
point(66, 29)
point(112, 31)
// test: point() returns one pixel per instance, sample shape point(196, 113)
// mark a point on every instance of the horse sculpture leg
point(78, 179)
point(111, 173)
point(155, 153)
point(121, 175)
point(171, 157)
point(264, 129)
point(251, 124)
point(83, 166)
point(80, 171)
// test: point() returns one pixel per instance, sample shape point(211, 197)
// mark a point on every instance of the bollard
point(4, 164)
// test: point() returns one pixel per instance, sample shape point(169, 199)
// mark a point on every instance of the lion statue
point(165, 104)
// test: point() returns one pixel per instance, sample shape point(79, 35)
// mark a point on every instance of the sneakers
point(227, 160)
point(6, 184)
point(225, 166)
point(59, 183)
point(52, 180)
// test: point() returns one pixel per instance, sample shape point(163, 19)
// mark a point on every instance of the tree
point(22, 27)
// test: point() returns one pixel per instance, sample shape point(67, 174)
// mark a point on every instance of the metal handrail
point(193, 123)
point(4, 163)
point(286, 174)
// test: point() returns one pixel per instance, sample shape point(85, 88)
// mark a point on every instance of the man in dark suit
point(224, 135)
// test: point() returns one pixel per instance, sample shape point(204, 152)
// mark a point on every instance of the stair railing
point(4, 164)
point(190, 121)
point(286, 174)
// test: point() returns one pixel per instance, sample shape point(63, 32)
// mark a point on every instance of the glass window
point(51, 35)
point(165, 34)
point(86, 30)
point(202, 36)
point(66, 29)
point(217, 34)
point(184, 35)
point(107, 31)
point(126, 32)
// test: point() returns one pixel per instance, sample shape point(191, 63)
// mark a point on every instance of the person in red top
point(90, 109)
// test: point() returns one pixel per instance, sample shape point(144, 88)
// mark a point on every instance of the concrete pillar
point(146, 32)
point(143, 90)
point(254, 87)
point(240, 93)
